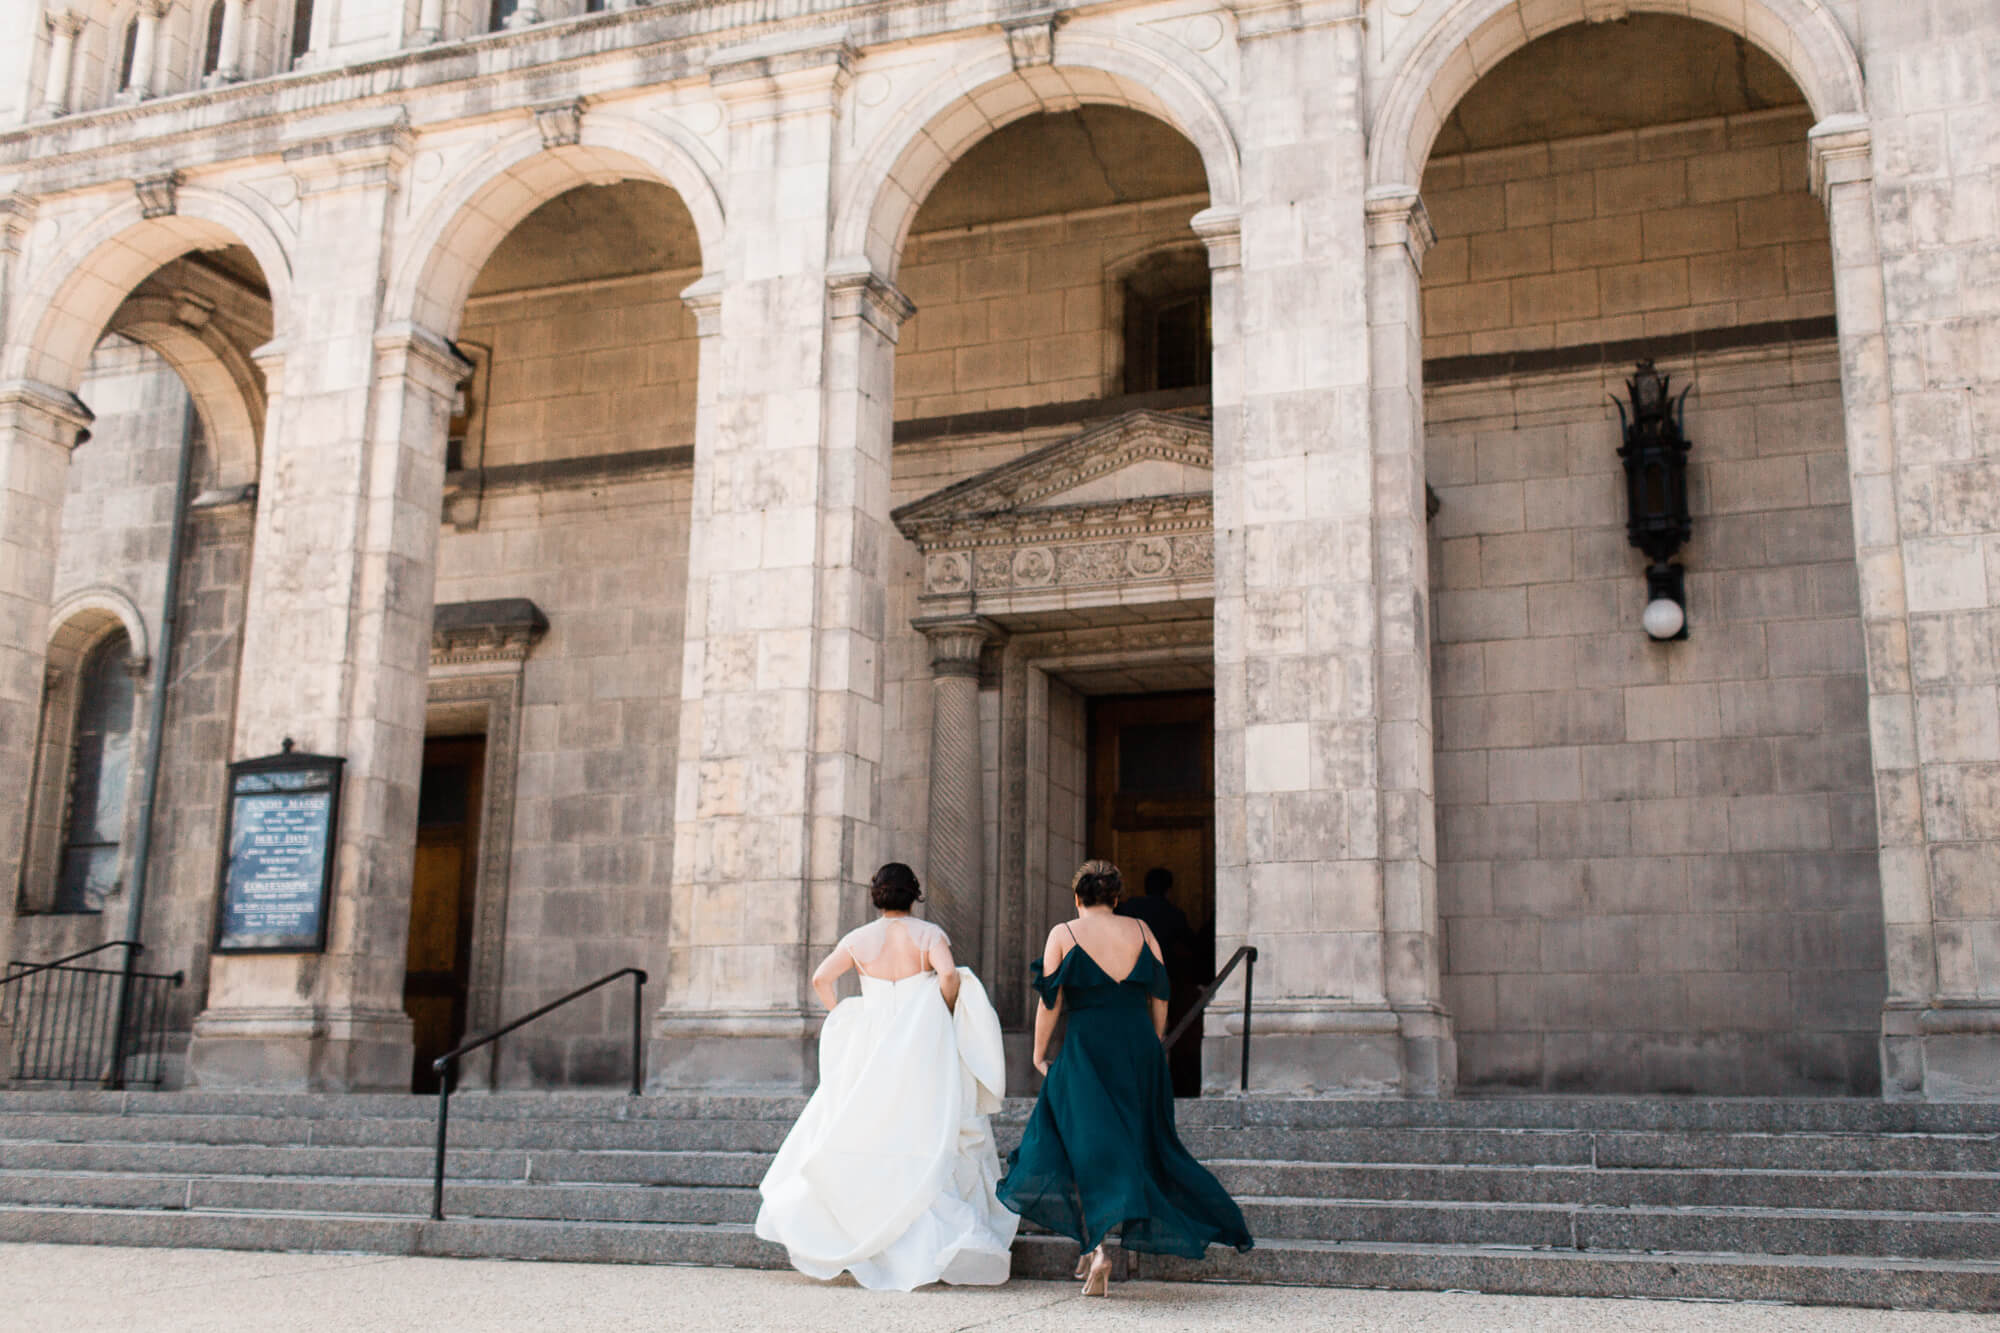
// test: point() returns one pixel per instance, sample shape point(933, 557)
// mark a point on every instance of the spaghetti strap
point(1072, 936)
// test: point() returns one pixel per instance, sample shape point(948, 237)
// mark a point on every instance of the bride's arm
point(946, 968)
point(833, 969)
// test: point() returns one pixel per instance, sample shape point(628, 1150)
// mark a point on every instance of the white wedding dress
point(890, 1172)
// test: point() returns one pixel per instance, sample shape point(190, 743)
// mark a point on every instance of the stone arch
point(1472, 36)
point(987, 94)
point(228, 391)
point(490, 198)
point(87, 615)
point(80, 287)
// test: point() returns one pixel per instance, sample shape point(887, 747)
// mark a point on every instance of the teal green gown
point(1100, 1153)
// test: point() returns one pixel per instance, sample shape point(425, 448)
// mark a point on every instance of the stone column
point(229, 58)
point(39, 425)
point(63, 29)
point(955, 860)
point(145, 48)
point(1399, 233)
point(337, 634)
point(780, 738)
point(1925, 520)
point(1300, 806)
point(430, 24)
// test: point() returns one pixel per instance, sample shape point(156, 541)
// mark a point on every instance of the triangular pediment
point(1139, 461)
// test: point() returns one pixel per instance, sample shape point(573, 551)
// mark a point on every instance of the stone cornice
point(256, 117)
point(504, 630)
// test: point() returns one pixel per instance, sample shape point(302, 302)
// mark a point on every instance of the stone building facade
point(680, 456)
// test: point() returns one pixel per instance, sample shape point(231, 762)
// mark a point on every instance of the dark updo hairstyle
point(894, 888)
point(1097, 884)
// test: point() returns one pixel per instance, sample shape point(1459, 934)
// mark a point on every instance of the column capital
point(64, 410)
point(1396, 216)
point(1221, 230)
point(703, 297)
point(415, 352)
point(66, 22)
point(1838, 152)
point(155, 8)
point(956, 642)
point(855, 290)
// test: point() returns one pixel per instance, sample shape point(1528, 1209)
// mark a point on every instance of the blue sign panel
point(279, 869)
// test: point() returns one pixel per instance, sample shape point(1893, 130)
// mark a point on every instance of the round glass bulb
point(1663, 618)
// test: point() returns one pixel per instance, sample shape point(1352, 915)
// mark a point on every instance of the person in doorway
point(1184, 965)
point(890, 1172)
point(1100, 1152)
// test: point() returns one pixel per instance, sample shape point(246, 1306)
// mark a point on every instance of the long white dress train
point(889, 1174)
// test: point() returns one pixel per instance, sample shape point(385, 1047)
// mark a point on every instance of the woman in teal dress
point(1100, 1152)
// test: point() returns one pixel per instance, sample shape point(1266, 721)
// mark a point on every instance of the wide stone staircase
point(1820, 1202)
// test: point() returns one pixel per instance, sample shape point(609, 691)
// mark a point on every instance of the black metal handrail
point(1247, 955)
point(85, 1024)
point(30, 969)
point(444, 1062)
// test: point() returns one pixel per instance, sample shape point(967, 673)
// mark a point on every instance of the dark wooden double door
point(438, 970)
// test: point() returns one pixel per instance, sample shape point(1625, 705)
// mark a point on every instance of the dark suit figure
point(1185, 969)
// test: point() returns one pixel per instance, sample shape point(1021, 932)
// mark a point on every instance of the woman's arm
point(946, 967)
point(833, 969)
point(1045, 1017)
point(1159, 1007)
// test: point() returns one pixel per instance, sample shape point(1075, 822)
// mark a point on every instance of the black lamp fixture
point(1656, 496)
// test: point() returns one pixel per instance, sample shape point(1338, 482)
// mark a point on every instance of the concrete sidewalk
point(74, 1289)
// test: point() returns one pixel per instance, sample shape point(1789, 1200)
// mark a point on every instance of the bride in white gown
point(889, 1174)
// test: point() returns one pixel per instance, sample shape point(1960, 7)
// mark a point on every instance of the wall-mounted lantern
point(1656, 496)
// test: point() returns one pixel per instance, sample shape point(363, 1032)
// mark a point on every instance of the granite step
point(1871, 1282)
point(1637, 1149)
point(1539, 1226)
point(1704, 1115)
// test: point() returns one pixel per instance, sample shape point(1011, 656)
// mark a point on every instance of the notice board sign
point(277, 870)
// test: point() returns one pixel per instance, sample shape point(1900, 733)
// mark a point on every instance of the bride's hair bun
point(1097, 884)
point(894, 888)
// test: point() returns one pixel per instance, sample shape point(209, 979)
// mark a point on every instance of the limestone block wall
point(1701, 225)
point(606, 367)
point(1019, 313)
point(1657, 865)
point(594, 787)
point(116, 527)
point(194, 779)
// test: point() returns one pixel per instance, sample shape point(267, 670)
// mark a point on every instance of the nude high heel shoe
point(1098, 1280)
point(1083, 1259)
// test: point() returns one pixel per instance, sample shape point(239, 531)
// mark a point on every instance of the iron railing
point(443, 1064)
point(100, 1025)
point(1247, 955)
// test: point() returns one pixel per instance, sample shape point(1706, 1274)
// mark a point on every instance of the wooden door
point(1152, 806)
point(438, 968)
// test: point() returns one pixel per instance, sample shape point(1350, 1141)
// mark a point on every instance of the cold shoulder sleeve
point(1158, 984)
point(1047, 985)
